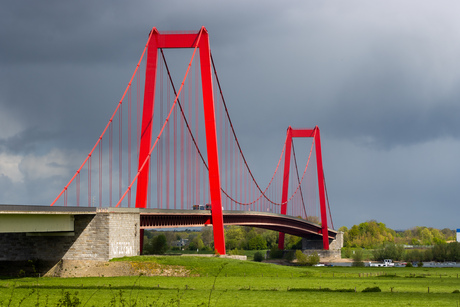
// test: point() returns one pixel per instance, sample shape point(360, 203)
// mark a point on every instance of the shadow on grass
point(103, 287)
point(320, 290)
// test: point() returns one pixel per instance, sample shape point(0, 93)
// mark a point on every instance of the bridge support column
point(159, 40)
point(321, 187)
point(96, 236)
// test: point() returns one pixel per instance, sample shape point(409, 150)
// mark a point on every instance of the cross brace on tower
point(183, 40)
point(305, 133)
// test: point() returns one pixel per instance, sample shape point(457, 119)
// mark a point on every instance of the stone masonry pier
point(38, 232)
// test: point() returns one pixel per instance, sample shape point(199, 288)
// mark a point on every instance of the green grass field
point(227, 282)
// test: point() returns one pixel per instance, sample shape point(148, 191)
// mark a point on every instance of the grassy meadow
point(227, 282)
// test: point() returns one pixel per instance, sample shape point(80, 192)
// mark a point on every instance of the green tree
point(358, 258)
point(449, 235)
point(415, 241)
point(234, 237)
point(427, 236)
point(157, 245)
point(257, 242)
point(292, 242)
point(207, 236)
point(271, 237)
point(314, 219)
point(413, 255)
point(196, 243)
point(389, 251)
point(438, 237)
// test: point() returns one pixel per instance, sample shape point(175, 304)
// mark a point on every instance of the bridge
point(159, 170)
point(46, 220)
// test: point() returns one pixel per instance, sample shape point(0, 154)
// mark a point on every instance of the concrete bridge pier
point(315, 245)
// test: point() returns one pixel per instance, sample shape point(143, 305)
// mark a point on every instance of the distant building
point(180, 243)
point(458, 235)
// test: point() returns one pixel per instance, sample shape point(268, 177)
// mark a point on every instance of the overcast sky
point(380, 78)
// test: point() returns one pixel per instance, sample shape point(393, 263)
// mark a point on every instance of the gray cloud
point(380, 79)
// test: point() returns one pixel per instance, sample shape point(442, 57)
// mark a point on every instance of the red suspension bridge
point(182, 153)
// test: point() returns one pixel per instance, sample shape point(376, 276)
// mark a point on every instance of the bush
point(258, 257)
point(276, 253)
point(372, 289)
point(313, 259)
point(69, 300)
point(346, 252)
point(420, 264)
point(357, 264)
point(358, 257)
point(409, 265)
point(303, 259)
point(236, 251)
point(289, 256)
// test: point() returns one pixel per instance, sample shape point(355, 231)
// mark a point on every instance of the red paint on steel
point(182, 163)
point(147, 118)
point(175, 156)
point(129, 144)
point(100, 174)
point(89, 181)
point(120, 150)
point(284, 195)
point(322, 197)
point(110, 162)
point(321, 188)
point(183, 41)
point(211, 143)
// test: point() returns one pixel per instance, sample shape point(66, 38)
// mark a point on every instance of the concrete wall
point(316, 247)
point(324, 255)
point(337, 244)
point(124, 234)
point(101, 236)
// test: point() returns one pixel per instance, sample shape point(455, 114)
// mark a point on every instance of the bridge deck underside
point(276, 222)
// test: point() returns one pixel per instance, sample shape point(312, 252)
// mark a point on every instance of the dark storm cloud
point(56, 31)
point(27, 141)
point(380, 79)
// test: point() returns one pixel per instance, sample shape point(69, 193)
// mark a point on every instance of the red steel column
point(322, 197)
point(183, 41)
point(147, 118)
point(305, 133)
point(284, 195)
point(211, 143)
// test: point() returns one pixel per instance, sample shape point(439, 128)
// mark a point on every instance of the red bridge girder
point(272, 221)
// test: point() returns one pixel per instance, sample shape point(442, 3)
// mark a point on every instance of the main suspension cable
point(241, 152)
point(164, 124)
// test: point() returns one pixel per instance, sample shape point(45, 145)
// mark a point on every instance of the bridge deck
point(13, 215)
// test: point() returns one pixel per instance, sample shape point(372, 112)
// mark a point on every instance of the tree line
point(416, 244)
point(236, 238)
point(372, 234)
point(413, 245)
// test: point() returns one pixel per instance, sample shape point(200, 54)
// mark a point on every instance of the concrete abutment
point(101, 236)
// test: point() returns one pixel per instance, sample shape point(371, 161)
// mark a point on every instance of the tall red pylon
point(305, 133)
point(183, 40)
